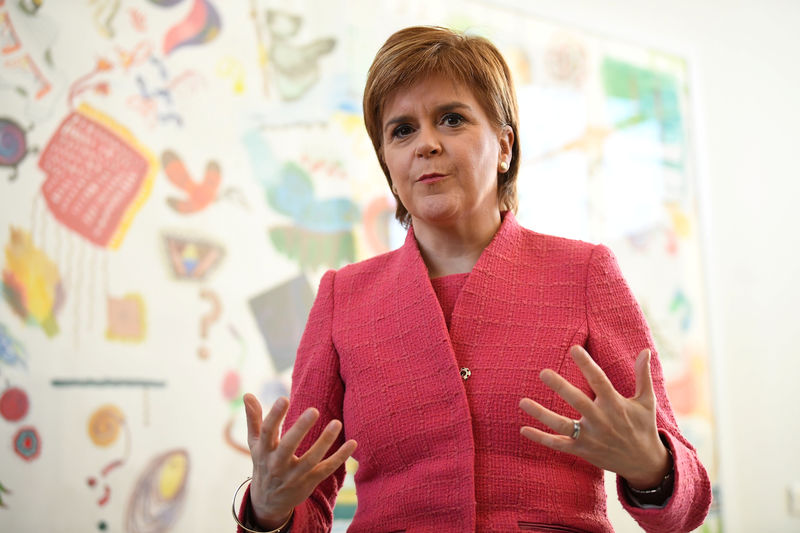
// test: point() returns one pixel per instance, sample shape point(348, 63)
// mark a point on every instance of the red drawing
point(138, 20)
point(200, 26)
point(27, 443)
point(92, 481)
point(9, 40)
point(98, 176)
point(198, 195)
point(208, 319)
point(14, 404)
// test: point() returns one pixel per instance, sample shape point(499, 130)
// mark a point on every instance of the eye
point(401, 131)
point(452, 120)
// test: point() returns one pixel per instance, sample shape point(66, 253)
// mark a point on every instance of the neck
point(455, 248)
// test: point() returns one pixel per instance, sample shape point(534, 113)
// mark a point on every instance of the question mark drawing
point(208, 319)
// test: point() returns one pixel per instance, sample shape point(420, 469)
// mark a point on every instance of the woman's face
point(443, 152)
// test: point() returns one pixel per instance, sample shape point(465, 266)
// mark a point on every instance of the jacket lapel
point(484, 300)
point(415, 300)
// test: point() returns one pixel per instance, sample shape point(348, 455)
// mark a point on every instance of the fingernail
point(280, 403)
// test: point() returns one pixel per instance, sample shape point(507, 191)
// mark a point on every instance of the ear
point(506, 140)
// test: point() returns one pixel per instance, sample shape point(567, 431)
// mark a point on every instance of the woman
point(488, 373)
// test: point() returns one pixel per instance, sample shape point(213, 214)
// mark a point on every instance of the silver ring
point(576, 429)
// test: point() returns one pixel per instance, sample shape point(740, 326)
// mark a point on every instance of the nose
point(428, 143)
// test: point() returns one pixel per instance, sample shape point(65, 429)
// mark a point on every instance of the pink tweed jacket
point(437, 453)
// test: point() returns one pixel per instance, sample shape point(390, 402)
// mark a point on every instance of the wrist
point(656, 477)
point(250, 517)
point(270, 520)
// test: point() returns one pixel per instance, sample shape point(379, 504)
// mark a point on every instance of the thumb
point(644, 380)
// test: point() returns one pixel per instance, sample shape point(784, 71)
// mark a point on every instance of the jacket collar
point(414, 296)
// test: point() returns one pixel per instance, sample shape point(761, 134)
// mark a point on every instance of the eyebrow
point(449, 106)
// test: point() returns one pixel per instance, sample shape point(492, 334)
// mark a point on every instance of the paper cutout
point(281, 314)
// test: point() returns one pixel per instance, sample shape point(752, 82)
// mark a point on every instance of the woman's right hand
point(281, 480)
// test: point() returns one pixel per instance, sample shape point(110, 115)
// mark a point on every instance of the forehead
point(427, 92)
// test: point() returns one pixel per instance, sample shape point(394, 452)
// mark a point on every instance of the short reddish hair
point(414, 53)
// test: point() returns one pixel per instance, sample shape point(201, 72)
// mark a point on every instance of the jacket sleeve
point(617, 333)
point(316, 382)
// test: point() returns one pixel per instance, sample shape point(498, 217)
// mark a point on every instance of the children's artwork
point(140, 305)
point(98, 176)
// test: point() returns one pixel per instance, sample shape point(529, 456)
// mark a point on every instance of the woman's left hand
point(616, 433)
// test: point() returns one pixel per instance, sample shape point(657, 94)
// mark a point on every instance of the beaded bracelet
point(236, 516)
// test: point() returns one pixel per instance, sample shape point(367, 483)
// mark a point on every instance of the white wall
point(746, 66)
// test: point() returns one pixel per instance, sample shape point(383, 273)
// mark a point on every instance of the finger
point(317, 451)
point(569, 392)
point(644, 379)
point(295, 434)
point(252, 409)
point(331, 464)
point(594, 375)
point(558, 423)
point(556, 442)
point(271, 426)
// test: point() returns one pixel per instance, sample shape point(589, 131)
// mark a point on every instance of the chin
point(437, 211)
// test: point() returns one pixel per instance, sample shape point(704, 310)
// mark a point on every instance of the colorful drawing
point(26, 61)
point(281, 314)
point(638, 95)
point(197, 195)
point(295, 66)
point(105, 425)
point(14, 404)
point(208, 319)
point(127, 318)
point(27, 443)
point(29, 6)
point(12, 352)
point(156, 98)
point(191, 258)
point(103, 15)
point(32, 283)
point(20, 65)
point(98, 176)
point(230, 68)
point(13, 145)
point(138, 20)
point(3, 490)
point(566, 60)
point(89, 83)
point(104, 428)
point(321, 233)
point(159, 495)
point(201, 26)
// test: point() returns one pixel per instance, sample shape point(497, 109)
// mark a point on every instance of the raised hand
point(281, 480)
point(616, 433)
